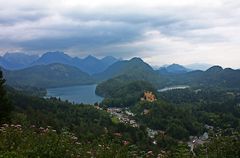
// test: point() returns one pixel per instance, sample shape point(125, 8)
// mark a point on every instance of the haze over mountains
point(47, 76)
point(57, 69)
point(15, 61)
point(134, 65)
point(90, 64)
point(174, 68)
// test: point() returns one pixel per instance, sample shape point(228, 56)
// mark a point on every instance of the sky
point(159, 31)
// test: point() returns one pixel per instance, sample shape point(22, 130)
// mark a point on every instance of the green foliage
point(88, 121)
point(215, 77)
point(85, 121)
point(22, 142)
point(218, 108)
point(201, 95)
point(121, 93)
point(31, 91)
point(181, 117)
point(5, 105)
point(178, 114)
point(177, 131)
point(224, 143)
point(178, 122)
point(181, 151)
point(115, 120)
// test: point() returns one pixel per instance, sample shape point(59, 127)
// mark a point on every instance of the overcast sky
point(159, 31)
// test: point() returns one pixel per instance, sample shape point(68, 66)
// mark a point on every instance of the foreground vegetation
point(38, 127)
point(22, 142)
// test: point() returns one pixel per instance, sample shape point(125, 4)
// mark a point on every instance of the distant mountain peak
point(108, 57)
point(17, 60)
point(173, 68)
point(90, 57)
point(17, 54)
point(136, 59)
point(53, 57)
point(109, 60)
point(54, 53)
point(215, 68)
point(89, 64)
point(176, 66)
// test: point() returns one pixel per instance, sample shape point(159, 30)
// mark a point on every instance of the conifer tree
point(5, 106)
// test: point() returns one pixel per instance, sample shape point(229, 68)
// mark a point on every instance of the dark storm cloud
point(155, 30)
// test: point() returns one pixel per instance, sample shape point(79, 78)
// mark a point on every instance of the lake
point(77, 94)
point(173, 88)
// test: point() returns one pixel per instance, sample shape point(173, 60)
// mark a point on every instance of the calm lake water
point(77, 94)
point(173, 88)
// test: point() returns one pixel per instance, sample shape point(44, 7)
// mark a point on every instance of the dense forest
point(120, 93)
point(36, 127)
point(47, 76)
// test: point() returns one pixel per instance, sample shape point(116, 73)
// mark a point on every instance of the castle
point(149, 96)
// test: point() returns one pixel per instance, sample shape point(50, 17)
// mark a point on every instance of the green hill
point(46, 76)
point(131, 70)
point(120, 92)
point(213, 77)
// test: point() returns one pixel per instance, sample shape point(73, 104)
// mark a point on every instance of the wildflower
point(5, 125)
point(46, 130)
point(18, 126)
point(150, 152)
point(78, 143)
point(125, 142)
point(2, 129)
point(74, 138)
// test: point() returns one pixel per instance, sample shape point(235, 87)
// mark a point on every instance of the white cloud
point(160, 31)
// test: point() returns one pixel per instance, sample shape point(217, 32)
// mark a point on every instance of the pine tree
point(5, 106)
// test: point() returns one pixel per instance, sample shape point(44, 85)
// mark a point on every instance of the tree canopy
point(5, 106)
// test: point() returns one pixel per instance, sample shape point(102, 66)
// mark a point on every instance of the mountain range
point(56, 69)
point(90, 64)
point(15, 61)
